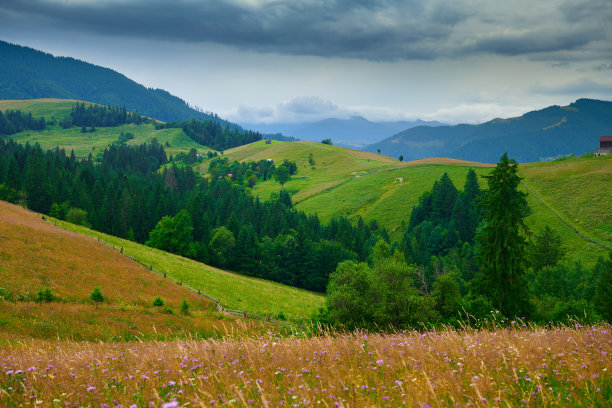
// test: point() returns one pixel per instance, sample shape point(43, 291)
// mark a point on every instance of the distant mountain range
point(26, 73)
point(356, 132)
point(545, 134)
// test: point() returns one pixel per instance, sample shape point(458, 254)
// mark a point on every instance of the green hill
point(173, 139)
point(374, 187)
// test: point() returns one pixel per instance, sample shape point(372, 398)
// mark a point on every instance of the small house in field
point(268, 141)
point(605, 146)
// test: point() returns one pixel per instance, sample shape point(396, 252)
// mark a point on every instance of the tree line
point(100, 116)
point(212, 134)
point(217, 222)
point(15, 121)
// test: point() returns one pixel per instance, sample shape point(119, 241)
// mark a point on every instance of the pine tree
point(502, 250)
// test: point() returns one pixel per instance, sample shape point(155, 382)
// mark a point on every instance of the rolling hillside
point(38, 255)
point(374, 187)
point(174, 139)
point(545, 134)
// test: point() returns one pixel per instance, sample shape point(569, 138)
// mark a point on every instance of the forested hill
point(26, 73)
point(549, 133)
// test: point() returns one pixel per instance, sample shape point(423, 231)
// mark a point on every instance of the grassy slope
point(344, 182)
point(233, 291)
point(35, 254)
point(579, 189)
point(94, 143)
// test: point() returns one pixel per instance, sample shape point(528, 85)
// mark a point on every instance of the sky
point(288, 61)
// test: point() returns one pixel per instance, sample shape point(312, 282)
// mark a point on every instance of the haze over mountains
point(545, 134)
point(355, 132)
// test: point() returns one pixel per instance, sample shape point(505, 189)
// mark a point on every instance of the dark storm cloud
point(373, 30)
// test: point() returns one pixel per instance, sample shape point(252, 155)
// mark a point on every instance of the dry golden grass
point(504, 368)
point(35, 254)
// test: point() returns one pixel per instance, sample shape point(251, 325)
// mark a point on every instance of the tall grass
point(564, 366)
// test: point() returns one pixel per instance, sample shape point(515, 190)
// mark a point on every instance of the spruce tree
point(502, 242)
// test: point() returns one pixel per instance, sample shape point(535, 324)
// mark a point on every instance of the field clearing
point(579, 189)
point(47, 107)
point(234, 291)
point(510, 367)
point(35, 254)
point(386, 196)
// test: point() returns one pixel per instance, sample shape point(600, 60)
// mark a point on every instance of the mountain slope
point(552, 132)
point(26, 73)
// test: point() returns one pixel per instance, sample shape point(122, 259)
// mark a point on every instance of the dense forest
point(215, 221)
point(15, 121)
point(465, 255)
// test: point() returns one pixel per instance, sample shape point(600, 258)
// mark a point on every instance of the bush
point(158, 301)
point(168, 310)
point(77, 216)
point(45, 295)
point(96, 295)
point(185, 307)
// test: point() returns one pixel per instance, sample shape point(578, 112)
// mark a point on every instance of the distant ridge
point(355, 132)
point(26, 73)
point(544, 134)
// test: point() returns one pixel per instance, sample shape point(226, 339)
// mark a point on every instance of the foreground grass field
point(567, 367)
point(174, 140)
point(234, 291)
point(35, 255)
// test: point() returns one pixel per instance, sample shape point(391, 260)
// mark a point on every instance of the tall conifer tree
point(502, 251)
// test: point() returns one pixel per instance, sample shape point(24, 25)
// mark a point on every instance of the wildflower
point(90, 388)
point(172, 404)
point(379, 362)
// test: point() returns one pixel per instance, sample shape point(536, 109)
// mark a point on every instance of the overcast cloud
point(291, 60)
point(374, 30)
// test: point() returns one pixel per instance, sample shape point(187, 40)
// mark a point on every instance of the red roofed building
point(605, 146)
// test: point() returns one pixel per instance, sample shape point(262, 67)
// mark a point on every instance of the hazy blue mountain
point(545, 134)
point(356, 132)
point(26, 73)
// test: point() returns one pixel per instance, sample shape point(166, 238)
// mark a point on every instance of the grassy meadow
point(511, 367)
point(579, 189)
point(36, 255)
point(174, 140)
point(234, 291)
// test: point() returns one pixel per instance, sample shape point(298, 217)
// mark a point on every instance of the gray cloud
point(373, 30)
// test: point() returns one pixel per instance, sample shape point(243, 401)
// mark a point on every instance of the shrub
point(185, 307)
point(96, 295)
point(158, 301)
point(45, 295)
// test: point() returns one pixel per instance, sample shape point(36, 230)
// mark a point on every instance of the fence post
point(164, 274)
point(267, 319)
point(244, 314)
point(121, 249)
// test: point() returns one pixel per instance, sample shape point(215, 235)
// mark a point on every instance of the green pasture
point(234, 291)
point(174, 140)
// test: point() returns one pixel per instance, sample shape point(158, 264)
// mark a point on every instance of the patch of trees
point(15, 121)
point(213, 134)
point(102, 116)
point(216, 222)
point(249, 173)
point(468, 254)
